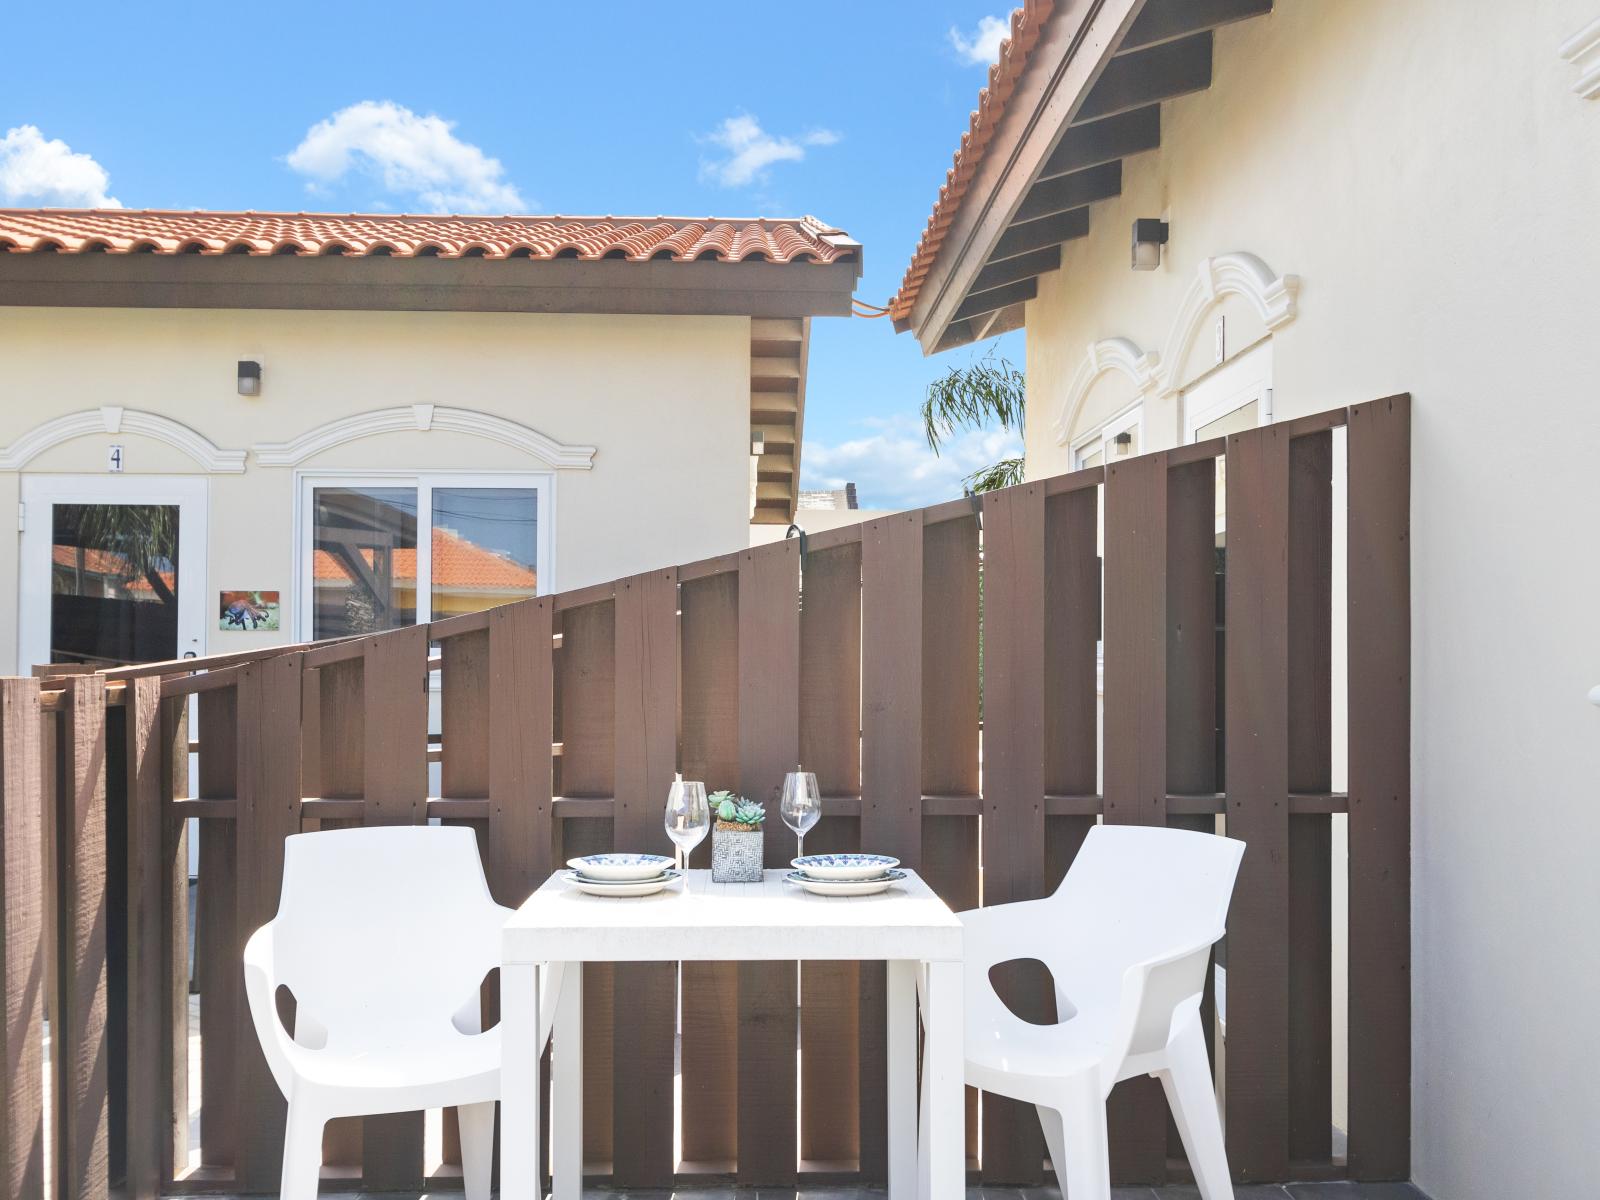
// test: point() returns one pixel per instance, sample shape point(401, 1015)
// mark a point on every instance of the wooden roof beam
point(1026, 236)
point(1143, 77)
point(1169, 20)
point(1051, 196)
point(1001, 297)
point(1081, 146)
point(1023, 266)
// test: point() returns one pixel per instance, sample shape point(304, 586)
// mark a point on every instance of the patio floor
point(1293, 1191)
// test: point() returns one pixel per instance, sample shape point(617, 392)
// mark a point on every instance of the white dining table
point(908, 927)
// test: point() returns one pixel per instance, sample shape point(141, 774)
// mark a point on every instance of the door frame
point(191, 495)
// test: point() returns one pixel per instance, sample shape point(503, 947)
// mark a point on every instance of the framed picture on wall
point(247, 612)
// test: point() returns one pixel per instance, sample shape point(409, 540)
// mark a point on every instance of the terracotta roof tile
point(636, 239)
point(1026, 23)
point(458, 565)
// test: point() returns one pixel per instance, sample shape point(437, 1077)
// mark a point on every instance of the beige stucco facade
point(1428, 177)
point(664, 401)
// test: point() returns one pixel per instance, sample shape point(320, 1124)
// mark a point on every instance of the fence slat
point(1013, 784)
point(268, 811)
point(1257, 771)
point(22, 946)
point(1310, 768)
point(1136, 736)
point(82, 1169)
point(148, 1120)
point(769, 745)
point(216, 914)
point(833, 1040)
point(394, 678)
point(646, 757)
point(1379, 449)
point(172, 1097)
point(710, 1005)
point(521, 720)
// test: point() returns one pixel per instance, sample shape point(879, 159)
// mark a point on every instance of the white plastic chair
point(383, 936)
point(1127, 938)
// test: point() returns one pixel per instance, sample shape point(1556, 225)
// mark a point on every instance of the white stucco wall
point(666, 401)
point(1427, 171)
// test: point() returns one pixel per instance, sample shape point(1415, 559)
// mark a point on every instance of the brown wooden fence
point(564, 717)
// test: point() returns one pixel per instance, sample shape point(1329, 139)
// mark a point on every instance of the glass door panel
point(113, 583)
point(485, 547)
point(364, 559)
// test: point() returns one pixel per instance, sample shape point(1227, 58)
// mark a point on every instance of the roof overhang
point(1089, 94)
point(566, 285)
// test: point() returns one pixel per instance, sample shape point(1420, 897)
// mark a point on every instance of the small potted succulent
point(735, 838)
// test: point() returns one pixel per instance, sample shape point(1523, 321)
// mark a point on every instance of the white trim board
point(114, 419)
point(425, 418)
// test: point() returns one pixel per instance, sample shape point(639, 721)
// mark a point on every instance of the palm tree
point(988, 390)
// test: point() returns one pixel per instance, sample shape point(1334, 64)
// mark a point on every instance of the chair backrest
point(1134, 892)
point(384, 923)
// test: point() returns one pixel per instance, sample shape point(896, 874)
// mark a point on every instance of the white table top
point(699, 920)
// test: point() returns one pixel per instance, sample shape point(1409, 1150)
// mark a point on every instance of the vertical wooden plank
point(588, 700)
point(1310, 767)
point(81, 1041)
point(950, 699)
point(173, 1048)
point(267, 812)
point(1013, 782)
point(892, 686)
point(394, 676)
point(769, 745)
point(1379, 601)
point(521, 724)
point(1257, 752)
point(1135, 774)
point(833, 1037)
point(216, 912)
point(147, 1118)
point(1191, 624)
point(646, 747)
point(22, 946)
point(709, 633)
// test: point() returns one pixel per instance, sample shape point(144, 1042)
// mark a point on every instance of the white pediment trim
point(1582, 50)
point(114, 419)
point(1236, 274)
point(1110, 354)
point(426, 418)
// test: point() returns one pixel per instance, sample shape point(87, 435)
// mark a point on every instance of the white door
point(112, 570)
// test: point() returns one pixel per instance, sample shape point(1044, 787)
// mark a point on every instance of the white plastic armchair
point(1127, 938)
point(383, 936)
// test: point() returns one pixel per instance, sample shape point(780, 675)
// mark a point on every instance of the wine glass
point(688, 817)
point(801, 805)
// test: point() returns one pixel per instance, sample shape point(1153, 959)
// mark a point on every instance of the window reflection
point(364, 560)
point(485, 542)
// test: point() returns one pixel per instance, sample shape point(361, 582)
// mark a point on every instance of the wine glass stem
point(802, 845)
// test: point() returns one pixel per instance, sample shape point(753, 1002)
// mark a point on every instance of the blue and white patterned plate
point(622, 887)
point(618, 868)
point(845, 887)
point(845, 866)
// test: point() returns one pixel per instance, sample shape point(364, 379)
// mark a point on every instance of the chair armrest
point(260, 989)
point(1002, 932)
point(1152, 993)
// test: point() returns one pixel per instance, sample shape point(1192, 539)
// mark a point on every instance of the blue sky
point(849, 112)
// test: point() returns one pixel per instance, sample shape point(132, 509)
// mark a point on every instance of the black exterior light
point(1124, 443)
point(249, 378)
point(1149, 235)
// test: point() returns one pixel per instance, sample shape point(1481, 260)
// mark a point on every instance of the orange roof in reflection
point(458, 566)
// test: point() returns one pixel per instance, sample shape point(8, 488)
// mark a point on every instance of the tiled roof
point(458, 566)
point(634, 239)
point(1026, 24)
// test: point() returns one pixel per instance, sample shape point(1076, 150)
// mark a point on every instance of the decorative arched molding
point(1112, 354)
point(115, 419)
point(426, 418)
point(1236, 274)
point(1582, 50)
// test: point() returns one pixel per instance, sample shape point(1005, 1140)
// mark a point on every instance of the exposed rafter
point(1105, 141)
point(1144, 77)
point(1033, 235)
point(1051, 196)
point(1169, 20)
point(1000, 297)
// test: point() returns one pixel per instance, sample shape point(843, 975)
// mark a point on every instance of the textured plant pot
point(735, 855)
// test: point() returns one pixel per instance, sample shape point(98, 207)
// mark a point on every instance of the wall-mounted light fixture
point(758, 442)
point(1124, 443)
point(249, 378)
point(1149, 235)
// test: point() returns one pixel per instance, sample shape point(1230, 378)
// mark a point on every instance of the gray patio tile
point(1344, 1190)
point(1243, 1191)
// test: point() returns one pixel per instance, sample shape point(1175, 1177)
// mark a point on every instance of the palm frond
point(987, 391)
point(1003, 474)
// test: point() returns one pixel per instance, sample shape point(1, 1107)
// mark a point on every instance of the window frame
point(1129, 419)
point(542, 483)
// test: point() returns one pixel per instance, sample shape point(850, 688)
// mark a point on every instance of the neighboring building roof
point(992, 101)
point(838, 498)
point(458, 566)
point(634, 239)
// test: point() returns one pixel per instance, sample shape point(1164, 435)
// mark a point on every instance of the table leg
point(902, 1078)
point(519, 1082)
point(566, 1088)
point(944, 1138)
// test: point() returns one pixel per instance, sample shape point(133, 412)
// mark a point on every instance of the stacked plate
point(621, 874)
point(845, 874)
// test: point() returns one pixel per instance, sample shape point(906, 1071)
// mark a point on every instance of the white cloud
point(751, 150)
point(982, 46)
point(892, 466)
point(36, 171)
point(412, 155)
